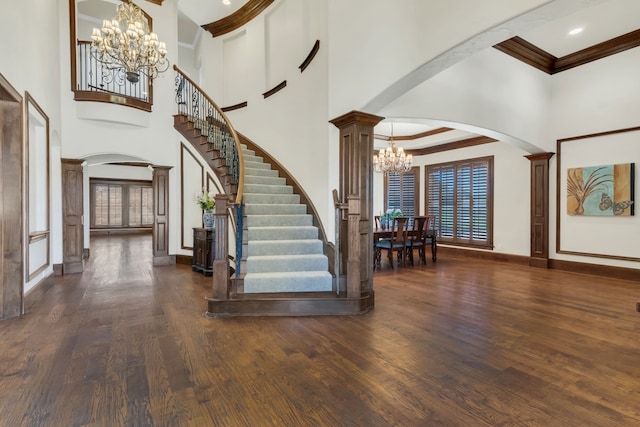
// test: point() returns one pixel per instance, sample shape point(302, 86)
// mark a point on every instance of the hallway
point(457, 343)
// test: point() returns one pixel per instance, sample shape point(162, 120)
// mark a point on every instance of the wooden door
point(72, 217)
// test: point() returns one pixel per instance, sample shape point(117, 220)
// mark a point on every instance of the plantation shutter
point(401, 192)
point(459, 196)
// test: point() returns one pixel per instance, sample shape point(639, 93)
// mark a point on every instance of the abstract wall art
point(606, 190)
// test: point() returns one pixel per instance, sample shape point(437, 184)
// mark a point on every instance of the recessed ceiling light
point(226, 2)
point(575, 31)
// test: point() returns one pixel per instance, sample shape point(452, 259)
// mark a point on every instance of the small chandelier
point(393, 159)
point(136, 49)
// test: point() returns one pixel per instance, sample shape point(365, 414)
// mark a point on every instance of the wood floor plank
point(460, 342)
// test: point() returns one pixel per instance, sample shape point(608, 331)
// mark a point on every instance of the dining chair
point(415, 239)
point(396, 243)
point(430, 238)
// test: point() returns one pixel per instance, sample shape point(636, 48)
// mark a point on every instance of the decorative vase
point(207, 219)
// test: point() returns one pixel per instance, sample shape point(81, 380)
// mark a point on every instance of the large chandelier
point(393, 159)
point(133, 47)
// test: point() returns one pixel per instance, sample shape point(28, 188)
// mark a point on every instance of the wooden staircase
point(272, 287)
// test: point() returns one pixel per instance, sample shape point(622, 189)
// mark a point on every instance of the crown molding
point(463, 143)
point(240, 17)
point(532, 55)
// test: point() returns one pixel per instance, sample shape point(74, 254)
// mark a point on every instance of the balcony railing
point(97, 83)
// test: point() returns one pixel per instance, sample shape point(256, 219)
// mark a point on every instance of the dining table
point(385, 233)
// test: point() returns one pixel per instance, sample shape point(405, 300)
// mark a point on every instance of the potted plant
point(387, 218)
point(206, 202)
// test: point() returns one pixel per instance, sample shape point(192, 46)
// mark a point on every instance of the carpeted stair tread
point(285, 247)
point(282, 263)
point(297, 281)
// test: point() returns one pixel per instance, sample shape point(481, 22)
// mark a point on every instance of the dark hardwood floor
point(456, 343)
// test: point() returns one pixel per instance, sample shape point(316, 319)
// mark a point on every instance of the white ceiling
point(601, 22)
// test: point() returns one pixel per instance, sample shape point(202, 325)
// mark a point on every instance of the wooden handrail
point(240, 188)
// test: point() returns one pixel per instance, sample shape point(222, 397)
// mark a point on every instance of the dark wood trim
point(57, 269)
point(415, 136)
point(82, 95)
point(312, 54)
point(528, 53)
point(37, 235)
point(463, 143)
point(489, 255)
point(12, 209)
point(72, 44)
point(184, 259)
point(306, 304)
point(596, 269)
point(161, 185)
point(539, 209)
point(555, 264)
point(184, 148)
point(234, 107)
point(598, 51)
point(158, 2)
point(72, 216)
point(246, 13)
point(98, 180)
point(276, 89)
point(532, 55)
point(132, 164)
point(355, 223)
point(559, 142)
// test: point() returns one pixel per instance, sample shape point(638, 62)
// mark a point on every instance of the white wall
point(597, 97)
point(291, 125)
point(511, 191)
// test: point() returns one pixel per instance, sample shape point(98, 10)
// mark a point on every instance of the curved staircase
point(284, 268)
point(283, 251)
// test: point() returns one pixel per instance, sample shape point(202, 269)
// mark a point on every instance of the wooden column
point(72, 216)
point(539, 256)
point(356, 187)
point(221, 248)
point(11, 212)
point(160, 185)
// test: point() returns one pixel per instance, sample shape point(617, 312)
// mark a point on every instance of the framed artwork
point(601, 190)
point(596, 182)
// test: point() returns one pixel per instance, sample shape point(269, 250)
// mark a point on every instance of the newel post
point(356, 185)
point(220, 244)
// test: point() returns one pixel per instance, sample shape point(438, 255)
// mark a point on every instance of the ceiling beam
point(463, 143)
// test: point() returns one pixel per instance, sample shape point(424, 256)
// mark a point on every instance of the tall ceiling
point(599, 23)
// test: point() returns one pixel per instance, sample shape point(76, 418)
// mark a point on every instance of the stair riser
point(270, 199)
point(267, 189)
point(268, 180)
point(259, 172)
point(299, 283)
point(283, 247)
point(279, 220)
point(256, 165)
point(286, 263)
point(283, 209)
point(282, 233)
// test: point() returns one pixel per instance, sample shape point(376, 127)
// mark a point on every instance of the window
point(460, 195)
point(121, 204)
point(401, 191)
